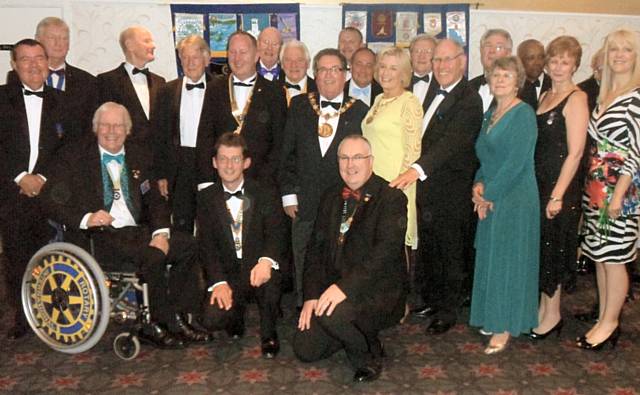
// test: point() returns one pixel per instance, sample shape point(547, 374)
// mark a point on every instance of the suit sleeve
point(383, 255)
point(208, 248)
point(287, 168)
point(519, 145)
point(274, 226)
point(207, 135)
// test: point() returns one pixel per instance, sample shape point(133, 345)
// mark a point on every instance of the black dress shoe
point(270, 347)
point(540, 336)
point(423, 311)
point(611, 340)
point(190, 333)
point(236, 330)
point(16, 332)
point(160, 337)
point(438, 327)
point(367, 373)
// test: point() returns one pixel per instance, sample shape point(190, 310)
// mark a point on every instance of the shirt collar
point(64, 66)
point(186, 80)
point(129, 67)
point(450, 87)
point(272, 69)
point(104, 151)
point(239, 188)
point(338, 99)
point(302, 82)
point(355, 84)
point(33, 90)
point(246, 81)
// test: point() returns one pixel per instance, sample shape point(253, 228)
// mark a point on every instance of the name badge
point(145, 187)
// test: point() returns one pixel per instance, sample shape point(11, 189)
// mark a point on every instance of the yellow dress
point(392, 126)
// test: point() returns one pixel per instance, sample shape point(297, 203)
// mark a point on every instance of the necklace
point(326, 130)
point(382, 103)
point(495, 117)
point(239, 116)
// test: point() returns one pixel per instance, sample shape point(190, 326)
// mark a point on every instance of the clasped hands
point(31, 184)
point(223, 294)
point(327, 302)
point(480, 205)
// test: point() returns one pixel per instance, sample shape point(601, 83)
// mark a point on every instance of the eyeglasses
point(447, 59)
point(505, 75)
point(356, 158)
point(224, 160)
point(268, 43)
point(332, 70)
point(497, 48)
point(118, 127)
point(427, 51)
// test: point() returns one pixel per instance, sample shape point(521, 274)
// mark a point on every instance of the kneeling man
point(241, 237)
point(355, 279)
point(102, 189)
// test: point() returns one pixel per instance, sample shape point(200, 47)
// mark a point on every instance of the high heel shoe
point(612, 339)
point(540, 336)
point(498, 348)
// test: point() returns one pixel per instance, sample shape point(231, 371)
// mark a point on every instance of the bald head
point(137, 45)
point(269, 42)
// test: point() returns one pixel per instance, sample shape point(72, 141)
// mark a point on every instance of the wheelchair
point(69, 300)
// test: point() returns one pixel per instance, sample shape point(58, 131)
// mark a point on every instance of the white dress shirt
point(55, 79)
point(241, 93)
point(33, 107)
point(190, 110)
point(420, 88)
point(487, 97)
point(293, 92)
point(141, 86)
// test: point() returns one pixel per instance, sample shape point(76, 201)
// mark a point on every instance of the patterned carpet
point(416, 364)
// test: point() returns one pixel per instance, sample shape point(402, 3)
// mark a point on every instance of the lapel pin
point(136, 174)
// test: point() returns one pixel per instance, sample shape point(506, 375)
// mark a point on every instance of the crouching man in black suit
point(355, 279)
point(241, 237)
point(103, 189)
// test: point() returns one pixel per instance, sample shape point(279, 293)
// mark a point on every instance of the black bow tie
point(442, 92)
point(536, 83)
point(199, 85)
point(59, 72)
point(292, 86)
point(326, 103)
point(144, 71)
point(415, 79)
point(229, 195)
point(40, 94)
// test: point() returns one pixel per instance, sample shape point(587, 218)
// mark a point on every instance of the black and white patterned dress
point(615, 151)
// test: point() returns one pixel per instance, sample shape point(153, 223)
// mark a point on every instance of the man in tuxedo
point(446, 170)
point(309, 162)
point(531, 53)
point(295, 60)
point(422, 84)
point(181, 134)
point(79, 87)
point(355, 279)
point(349, 40)
point(248, 104)
point(241, 238)
point(32, 130)
point(105, 193)
point(362, 86)
point(494, 44)
point(269, 43)
point(133, 85)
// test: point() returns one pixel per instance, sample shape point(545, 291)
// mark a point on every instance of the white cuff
point(85, 220)
point(204, 185)
point(418, 168)
point(210, 289)
point(20, 177)
point(160, 231)
point(274, 264)
point(43, 177)
point(290, 200)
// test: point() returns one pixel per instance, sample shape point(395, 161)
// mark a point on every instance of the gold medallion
point(325, 130)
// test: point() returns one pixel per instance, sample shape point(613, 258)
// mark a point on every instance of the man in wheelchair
point(102, 193)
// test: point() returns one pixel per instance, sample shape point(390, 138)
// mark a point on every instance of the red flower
point(418, 348)
point(254, 376)
point(431, 372)
point(597, 368)
point(597, 192)
point(128, 380)
point(66, 382)
point(541, 369)
point(192, 377)
point(7, 383)
point(485, 370)
point(470, 347)
point(313, 374)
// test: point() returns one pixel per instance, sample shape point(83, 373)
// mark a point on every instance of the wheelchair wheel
point(126, 346)
point(65, 298)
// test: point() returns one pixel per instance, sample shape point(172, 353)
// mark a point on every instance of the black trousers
point(342, 329)
point(267, 297)
point(182, 195)
point(24, 230)
point(446, 242)
point(176, 290)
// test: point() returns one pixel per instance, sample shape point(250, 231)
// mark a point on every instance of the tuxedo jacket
point(75, 187)
point(167, 144)
point(262, 128)
point(448, 150)
point(369, 268)
point(80, 95)
point(527, 93)
point(477, 82)
point(263, 232)
point(55, 131)
point(116, 86)
point(303, 170)
point(591, 87)
point(431, 93)
point(311, 87)
point(376, 89)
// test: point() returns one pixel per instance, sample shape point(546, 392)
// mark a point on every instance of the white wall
point(95, 27)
